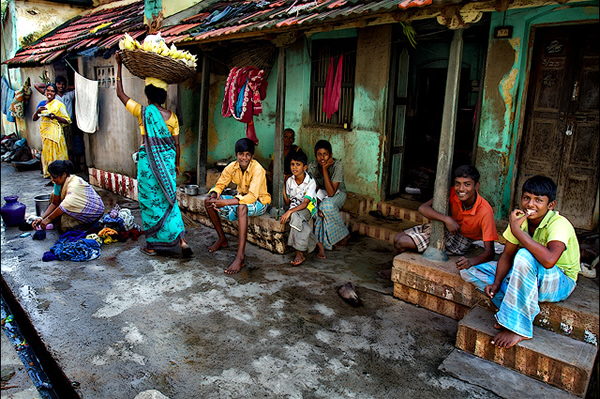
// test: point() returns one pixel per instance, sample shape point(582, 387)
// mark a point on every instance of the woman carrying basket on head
point(158, 167)
point(54, 118)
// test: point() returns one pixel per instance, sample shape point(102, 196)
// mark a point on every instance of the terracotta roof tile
point(212, 19)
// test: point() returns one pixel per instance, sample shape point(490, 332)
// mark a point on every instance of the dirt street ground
point(126, 323)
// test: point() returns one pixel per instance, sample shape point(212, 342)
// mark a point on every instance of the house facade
point(517, 101)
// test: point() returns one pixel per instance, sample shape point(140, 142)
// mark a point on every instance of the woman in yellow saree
point(54, 116)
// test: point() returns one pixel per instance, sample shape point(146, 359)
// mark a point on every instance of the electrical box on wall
point(503, 32)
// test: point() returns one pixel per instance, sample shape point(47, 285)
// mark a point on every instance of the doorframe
point(389, 118)
point(522, 104)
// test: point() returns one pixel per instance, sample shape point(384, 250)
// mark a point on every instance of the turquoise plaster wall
point(504, 99)
point(360, 148)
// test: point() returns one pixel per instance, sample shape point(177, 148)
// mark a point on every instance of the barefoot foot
point(342, 244)
point(321, 254)
point(217, 245)
point(385, 274)
point(298, 259)
point(235, 266)
point(507, 339)
point(498, 326)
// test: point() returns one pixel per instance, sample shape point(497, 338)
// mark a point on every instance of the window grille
point(105, 75)
point(322, 53)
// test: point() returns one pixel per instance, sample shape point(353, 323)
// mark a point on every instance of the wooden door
point(398, 121)
point(561, 137)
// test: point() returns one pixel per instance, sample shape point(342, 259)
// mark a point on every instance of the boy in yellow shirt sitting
point(252, 199)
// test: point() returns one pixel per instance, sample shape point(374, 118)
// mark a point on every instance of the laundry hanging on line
point(244, 91)
point(86, 103)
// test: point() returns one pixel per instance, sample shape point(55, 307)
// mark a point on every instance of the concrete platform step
point(557, 360)
point(264, 231)
point(381, 229)
point(438, 286)
point(404, 209)
point(500, 380)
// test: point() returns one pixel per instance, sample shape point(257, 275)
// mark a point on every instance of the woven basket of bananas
point(153, 58)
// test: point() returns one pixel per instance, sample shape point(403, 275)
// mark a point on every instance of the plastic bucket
point(41, 203)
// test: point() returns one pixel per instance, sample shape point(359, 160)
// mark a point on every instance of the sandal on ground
point(186, 251)
point(144, 250)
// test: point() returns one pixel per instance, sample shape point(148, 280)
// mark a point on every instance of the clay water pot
point(13, 212)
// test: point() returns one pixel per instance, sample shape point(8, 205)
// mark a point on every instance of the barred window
point(105, 75)
point(324, 52)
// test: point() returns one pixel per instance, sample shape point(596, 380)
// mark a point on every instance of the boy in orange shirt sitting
point(471, 218)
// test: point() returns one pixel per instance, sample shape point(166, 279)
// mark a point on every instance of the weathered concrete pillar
point(203, 127)
point(437, 243)
point(277, 200)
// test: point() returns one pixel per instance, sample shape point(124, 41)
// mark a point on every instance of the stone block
point(444, 307)
point(557, 360)
point(399, 212)
point(440, 279)
point(264, 231)
point(358, 204)
point(577, 316)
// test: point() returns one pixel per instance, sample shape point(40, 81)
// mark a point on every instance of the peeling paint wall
point(40, 17)
point(505, 95)
point(118, 135)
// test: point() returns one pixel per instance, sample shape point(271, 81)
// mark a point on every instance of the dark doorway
point(418, 85)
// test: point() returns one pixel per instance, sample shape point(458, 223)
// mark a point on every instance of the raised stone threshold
point(264, 231)
point(554, 359)
point(438, 286)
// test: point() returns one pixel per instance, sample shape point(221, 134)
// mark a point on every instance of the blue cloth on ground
point(113, 222)
point(39, 235)
point(73, 246)
point(48, 257)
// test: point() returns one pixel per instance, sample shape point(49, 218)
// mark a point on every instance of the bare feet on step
point(507, 339)
point(342, 244)
point(236, 266)
point(298, 259)
point(217, 245)
point(321, 254)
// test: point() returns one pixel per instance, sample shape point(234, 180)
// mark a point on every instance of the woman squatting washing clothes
point(74, 201)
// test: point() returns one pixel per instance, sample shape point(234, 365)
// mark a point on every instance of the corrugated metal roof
point(227, 18)
point(101, 28)
point(213, 19)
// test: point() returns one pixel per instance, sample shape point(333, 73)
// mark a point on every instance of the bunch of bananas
point(156, 44)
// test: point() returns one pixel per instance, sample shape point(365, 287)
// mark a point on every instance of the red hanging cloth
point(244, 91)
point(333, 88)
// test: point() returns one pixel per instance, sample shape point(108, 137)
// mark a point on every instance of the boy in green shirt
point(540, 263)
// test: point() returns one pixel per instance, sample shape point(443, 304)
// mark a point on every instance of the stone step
point(557, 360)
point(381, 229)
point(265, 231)
point(437, 286)
point(402, 209)
point(500, 380)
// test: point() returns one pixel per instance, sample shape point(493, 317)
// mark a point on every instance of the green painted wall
point(360, 148)
point(505, 84)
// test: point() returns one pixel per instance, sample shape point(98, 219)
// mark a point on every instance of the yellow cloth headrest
point(161, 84)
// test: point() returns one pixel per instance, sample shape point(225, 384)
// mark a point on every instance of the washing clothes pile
point(78, 246)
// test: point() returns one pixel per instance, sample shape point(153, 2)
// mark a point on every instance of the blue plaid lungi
point(525, 285)
point(230, 212)
point(331, 229)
